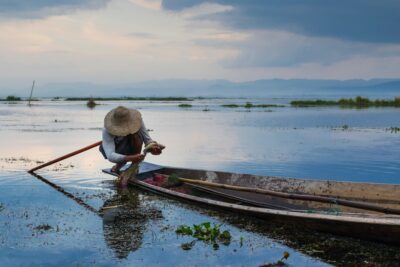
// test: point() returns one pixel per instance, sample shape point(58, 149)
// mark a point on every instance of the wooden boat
point(318, 216)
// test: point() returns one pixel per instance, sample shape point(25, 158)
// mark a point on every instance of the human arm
point(109, 148)
point(144, 133)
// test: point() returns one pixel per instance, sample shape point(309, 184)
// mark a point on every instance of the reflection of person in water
point(122, 227)
point(124, 222)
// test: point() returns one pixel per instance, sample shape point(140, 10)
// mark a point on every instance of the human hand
point(135, 158)
point(157, 149)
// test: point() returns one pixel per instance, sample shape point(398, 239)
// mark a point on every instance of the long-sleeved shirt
point(109, 144)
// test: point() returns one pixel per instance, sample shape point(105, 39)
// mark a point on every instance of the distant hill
point(392, 85)
point(223, 88)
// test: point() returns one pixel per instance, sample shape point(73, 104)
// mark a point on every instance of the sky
point(122, 41)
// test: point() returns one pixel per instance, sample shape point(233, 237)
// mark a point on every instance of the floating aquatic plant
point(394, 129)
point(185, 105)
point(230, 106)
point(205, 232)
point(249, 105)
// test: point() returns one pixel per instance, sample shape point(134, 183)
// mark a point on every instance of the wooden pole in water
point(30, 97)
point(65, 156)
point(323, 199)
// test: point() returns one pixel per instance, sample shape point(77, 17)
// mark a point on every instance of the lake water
point(315, 143)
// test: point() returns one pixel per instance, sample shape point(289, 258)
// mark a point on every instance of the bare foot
point(123, 180)
point(117, 168)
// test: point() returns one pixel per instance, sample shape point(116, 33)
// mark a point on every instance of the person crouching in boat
point(123, 136)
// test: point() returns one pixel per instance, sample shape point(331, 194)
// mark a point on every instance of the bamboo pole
point(323, 199)
point(30, 97)
point(67, 194)
point(65, 156)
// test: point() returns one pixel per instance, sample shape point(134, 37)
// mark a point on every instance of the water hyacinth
point(205, 232)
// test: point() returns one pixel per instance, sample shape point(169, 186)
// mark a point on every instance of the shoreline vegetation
point(11, 98)
point(128, 98)
point(358, 102)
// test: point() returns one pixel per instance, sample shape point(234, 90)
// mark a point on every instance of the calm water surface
point(305, 143)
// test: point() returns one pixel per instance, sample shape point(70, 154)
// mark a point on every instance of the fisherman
point(123, 136)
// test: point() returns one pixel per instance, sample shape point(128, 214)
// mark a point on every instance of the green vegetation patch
point(394, 129)
point(129, 98)
point(204, 232)
point(311, 103)
point(11, 98)
point(1, 206)
point(184, 105)
point(251, 105)
point(230, 106)
point(358, 102)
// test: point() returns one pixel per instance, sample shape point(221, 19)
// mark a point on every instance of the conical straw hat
point(122, 121)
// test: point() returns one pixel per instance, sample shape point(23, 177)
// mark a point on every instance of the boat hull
point(369, 226)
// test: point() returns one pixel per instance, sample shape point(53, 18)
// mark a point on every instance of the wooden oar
point(323, 199)
point(65, 156)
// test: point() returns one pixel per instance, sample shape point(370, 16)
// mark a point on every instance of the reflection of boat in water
point(124, 222)
point(324, 217)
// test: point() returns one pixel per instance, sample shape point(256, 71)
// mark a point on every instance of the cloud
point(283, 49)
point(150, 4)
point(203, 10)
point(356, 20)
point(145, 35)
point(34, 9)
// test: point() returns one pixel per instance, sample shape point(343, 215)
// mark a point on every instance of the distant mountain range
point(222, 88)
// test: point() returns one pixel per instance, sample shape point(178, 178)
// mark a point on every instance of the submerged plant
point(189, 245)
point(280, 262)
point(43, 227)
